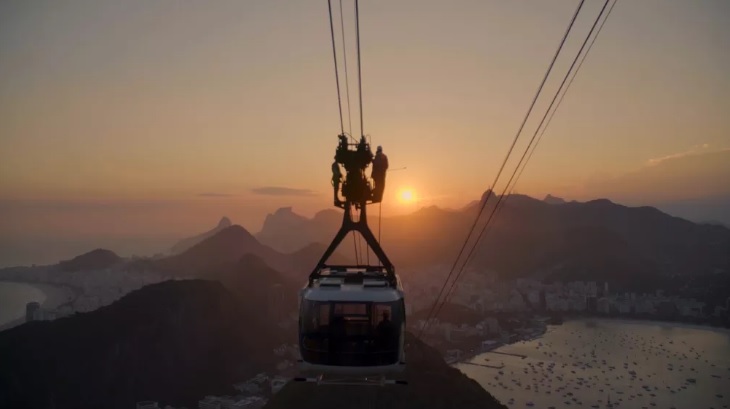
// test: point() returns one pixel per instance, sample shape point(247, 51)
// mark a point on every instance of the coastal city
point(481, 316)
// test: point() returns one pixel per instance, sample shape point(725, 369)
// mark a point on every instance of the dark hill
point(432, 385)
point(93, 260)
point(261, 288)
point(174, 342)
point(186, 243)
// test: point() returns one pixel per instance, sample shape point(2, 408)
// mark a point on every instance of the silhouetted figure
point(385, 338)
point(337, 339)
point(343, 142)
point(380, 166)
point(336, 180)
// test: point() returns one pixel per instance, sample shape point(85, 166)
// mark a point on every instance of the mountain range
point(630, 247)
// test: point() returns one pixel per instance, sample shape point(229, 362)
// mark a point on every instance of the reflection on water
point(584, 363)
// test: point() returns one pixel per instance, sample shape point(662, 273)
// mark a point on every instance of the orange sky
point(130, 116)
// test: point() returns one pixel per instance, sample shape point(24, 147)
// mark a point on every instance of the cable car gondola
point(352, 317)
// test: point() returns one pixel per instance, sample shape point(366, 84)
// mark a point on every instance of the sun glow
point(407, 196)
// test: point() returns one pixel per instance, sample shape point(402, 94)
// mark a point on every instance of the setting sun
point(407, 196)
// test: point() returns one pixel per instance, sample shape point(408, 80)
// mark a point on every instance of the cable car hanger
point(352, 317)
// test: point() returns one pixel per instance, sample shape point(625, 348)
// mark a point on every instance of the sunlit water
point(637, 364)
point(14, 297)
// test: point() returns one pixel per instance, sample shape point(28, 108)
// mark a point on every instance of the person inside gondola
point(338, 340)
point(384, 334)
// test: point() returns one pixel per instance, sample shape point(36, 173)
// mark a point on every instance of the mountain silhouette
point(261, 288)
point(287, 231)
point(550, 199)
point(632, 247)
point(175, 342)
point(226, 248)
point(93, 260)
point(186, 243)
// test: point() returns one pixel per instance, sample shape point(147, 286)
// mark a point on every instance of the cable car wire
point(567, 87)
point(504, 162)
point(347, 80)
point(503, 196)
point(337, 75)
point(359, 68)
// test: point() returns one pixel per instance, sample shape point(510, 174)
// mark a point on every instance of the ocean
point(634, 364)
point(14, 297)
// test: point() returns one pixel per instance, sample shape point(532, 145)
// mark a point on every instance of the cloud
point(697, 149)
point(212, 194)
point(693, 174)
point(282, 191)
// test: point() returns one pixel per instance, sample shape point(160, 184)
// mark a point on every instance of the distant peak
point(225, 222)
point(486, 195)
point(601, 202)
point(283, 214)
point(235, 229)
point(283, 210)
point(93, 260)
point(550, 199)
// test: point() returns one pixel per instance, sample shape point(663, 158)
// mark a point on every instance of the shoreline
point(468, 356)
point(56, 296)
point(645, 321)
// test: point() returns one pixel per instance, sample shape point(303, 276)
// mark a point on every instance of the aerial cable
point(567, 87)
point(359, 68)
point(503, 195)
point(501, 168)
point(347, 80)
point(337, 75)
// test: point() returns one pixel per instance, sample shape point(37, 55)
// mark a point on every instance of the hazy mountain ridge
point(225, 247)
point(530, 236)
point(93, 260)
point(189, 242)
point(287, 231)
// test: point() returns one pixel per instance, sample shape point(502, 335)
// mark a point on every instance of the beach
point(54, 296)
